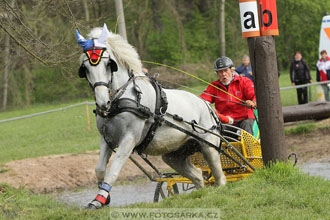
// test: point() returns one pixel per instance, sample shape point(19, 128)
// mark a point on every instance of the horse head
point(97, 65)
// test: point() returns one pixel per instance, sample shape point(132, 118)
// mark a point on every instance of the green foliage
point(49, 86)
point(171, 32)
point(299, 25)
point(165, 47)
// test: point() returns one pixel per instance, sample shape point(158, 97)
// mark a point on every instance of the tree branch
point(23, 46)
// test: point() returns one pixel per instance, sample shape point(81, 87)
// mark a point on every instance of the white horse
point(107, 63)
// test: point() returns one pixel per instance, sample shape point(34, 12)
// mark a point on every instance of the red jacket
point(240, 87)
point(323, 70)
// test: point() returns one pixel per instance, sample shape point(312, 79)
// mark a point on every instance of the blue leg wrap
point(104, 186)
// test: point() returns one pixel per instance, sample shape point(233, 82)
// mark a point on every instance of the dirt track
point(51, 173)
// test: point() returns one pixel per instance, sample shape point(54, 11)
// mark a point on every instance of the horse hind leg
point(180, 162)
point(212, 157)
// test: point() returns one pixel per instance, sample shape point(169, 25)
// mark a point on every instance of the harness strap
point(100, 84)
point(160, 109)
point(120, 105)
point(161, 100)
point(219, 149)
point(129, 105)
point(148, 138)
point(121, 90)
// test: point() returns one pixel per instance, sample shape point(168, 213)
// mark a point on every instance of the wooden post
point(264, 66)
point(222, 28)
point(87, 115)
point(121, 21)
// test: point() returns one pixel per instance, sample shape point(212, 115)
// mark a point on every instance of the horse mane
point(124, 53)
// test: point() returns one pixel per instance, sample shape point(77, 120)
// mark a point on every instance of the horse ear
point(82, 71)
point(113, 65)
point(102, 40)
point(80, 39)
point(83, 42)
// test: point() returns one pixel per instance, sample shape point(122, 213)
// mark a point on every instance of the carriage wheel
point(188, 187)
point(162, 191)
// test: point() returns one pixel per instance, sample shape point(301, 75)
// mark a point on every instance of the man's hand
point(293, 84)
point(310, 81)
point(230, 120)
point(251, 103)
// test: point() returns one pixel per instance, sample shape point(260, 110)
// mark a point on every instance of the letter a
point(249, 22)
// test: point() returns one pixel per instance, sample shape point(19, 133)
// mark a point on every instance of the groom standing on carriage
point(233, 95)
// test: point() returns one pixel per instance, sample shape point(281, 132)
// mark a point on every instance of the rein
point(121, 90)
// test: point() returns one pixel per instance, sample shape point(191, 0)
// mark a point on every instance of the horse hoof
point(108, 200)
point(94, 205)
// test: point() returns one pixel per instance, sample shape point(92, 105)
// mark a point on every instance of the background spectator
point(299, 74)
point(323, 72)
point(245, 68)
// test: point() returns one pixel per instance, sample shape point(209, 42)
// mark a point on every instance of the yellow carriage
point(237, 164)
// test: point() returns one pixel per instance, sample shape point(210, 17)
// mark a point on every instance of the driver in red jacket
point(235, 89)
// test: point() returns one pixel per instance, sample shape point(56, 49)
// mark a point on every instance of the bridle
point(95, 54)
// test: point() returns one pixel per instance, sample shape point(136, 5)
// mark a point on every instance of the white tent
point(325, 35)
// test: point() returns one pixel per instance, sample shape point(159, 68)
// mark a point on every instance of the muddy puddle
point(120, 195)
point(317, 169)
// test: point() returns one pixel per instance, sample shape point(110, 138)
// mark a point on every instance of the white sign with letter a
point(249, 18)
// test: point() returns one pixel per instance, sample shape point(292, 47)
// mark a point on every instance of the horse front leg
point(105, 154)
point(125, 149)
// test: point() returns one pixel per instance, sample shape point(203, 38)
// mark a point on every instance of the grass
point(278, 192)
point(20, 204)
point(301, 129)
point(55, 133)
point(289, 97)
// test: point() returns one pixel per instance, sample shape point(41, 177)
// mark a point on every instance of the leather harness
point(120, 105)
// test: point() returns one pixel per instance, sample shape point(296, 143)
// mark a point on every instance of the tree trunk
point(222, 28)
point(172, 7)
point(28, 83)
point(313, 110)
point(264, 65)
point(5, 73)
point(121, 21)
point(6, 55)
point(86, 11)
